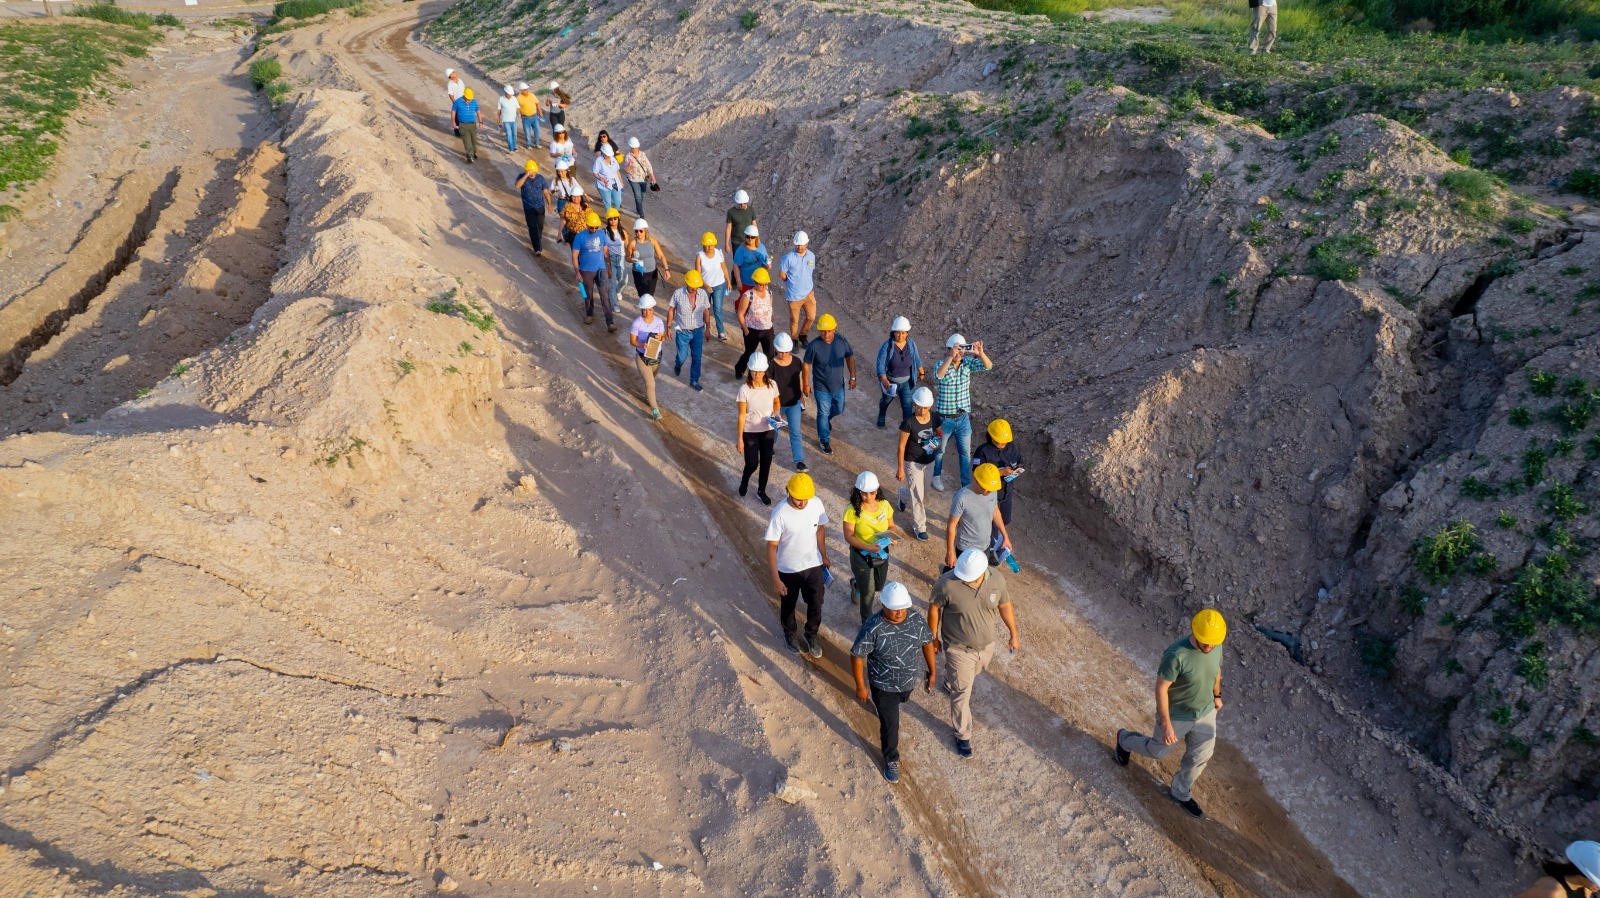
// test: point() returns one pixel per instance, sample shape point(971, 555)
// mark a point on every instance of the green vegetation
point(1548, 591)
point(1376, 654)
point(1473, 488)
point(1543, 383)
point(345, 453)
point(264, 71)
point(112, 14)
point(1440, 555)
point(305, 9)
point(180, 369)
point(1505, 521)
point(750, 20)
point(445, 304)
point(1339, 259)
point(1533, 667)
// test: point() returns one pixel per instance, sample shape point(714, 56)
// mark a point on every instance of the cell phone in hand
point(966, 347)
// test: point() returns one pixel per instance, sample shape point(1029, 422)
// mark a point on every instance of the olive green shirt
point(1193, 675)
point(969, 617)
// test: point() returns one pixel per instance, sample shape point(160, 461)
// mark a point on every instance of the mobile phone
point(965, 347)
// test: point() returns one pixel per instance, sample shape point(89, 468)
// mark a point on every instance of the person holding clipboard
point(646, 336)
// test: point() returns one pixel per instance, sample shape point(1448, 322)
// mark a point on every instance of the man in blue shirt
point(589, 258)
point(752, 254)
point(535, 192)
point(797, 269)
point(464, 116)
point(827, 362)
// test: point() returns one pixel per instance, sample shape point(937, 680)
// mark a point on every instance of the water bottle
point(1011, 561)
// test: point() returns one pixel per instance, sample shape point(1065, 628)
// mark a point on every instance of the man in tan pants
point(1264, 20)
point(966, 603)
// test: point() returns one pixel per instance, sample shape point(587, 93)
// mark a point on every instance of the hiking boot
point(1121, 755)
point(789, 644)
point(611, 328)
point(698, 388)
point(964, 747)
point(1189, 805)
point(677, 370)
point(891, 771)
point(938, 484)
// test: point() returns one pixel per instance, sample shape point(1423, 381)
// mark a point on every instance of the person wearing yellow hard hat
point(616, 254)
point(688, 317)
point(464, 116)
point(713, 268)
point(797, 555)
point(1000, 450)
point(798, 269)
point(1188, 697)
point(754, 314)
point(589, 260)
point(535, 192)
point(830, 368)
point(975, 517)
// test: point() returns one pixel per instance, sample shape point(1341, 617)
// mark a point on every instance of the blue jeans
point(611, 199)
point(718, 293)
point(691, 344)
point(618, 278)
point(901, 390)
point(793, 414)
point(511, 135)
point(638, 187)
point(828, 405)
point(957, 437)
point(530, 129)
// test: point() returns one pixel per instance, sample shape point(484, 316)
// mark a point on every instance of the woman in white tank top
point(714, 269)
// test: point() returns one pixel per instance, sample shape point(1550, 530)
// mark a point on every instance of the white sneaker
point(938, 484)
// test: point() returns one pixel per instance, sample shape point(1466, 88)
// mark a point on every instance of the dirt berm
point(1220, 349)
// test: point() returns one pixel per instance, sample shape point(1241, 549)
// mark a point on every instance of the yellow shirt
point(528, 104)
point(870, 523)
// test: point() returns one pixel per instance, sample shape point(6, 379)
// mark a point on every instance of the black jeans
point(752, 341)
point(888, 705)
point(645, 281)
point(806, 584)
point(535, 218)
point(758, 455)
point(868, 576)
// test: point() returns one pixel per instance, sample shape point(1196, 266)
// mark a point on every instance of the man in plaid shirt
point(954, 378)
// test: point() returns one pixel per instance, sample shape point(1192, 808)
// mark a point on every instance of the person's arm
point(520, 180)
point(850, 366)
point(633, 340)
point(1216, 691)
point(454, 122)
point(783, 270)
point(772, 564)
point(805, 378)
point(851, 538)
point(950, 540)
point(705, 311)
point(1010, 617)
point(858, 668)
point(822, 544)
point(988, 364)
point(1000, 522)
point(575, 260)
point(900, 457)
point(742, 307)
point(672, 310)
point(727, 237)
point(928, 652)
point(1164, 712)
point(882, 364)
point(548, 199)
point(777, 406)
point(661, 259)
point(934, 614)
point(952, 358)
point(1544, 887)
point(739, 440)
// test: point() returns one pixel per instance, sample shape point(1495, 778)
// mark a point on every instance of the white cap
point(739, 196)
point(752, 231)
point(800, 238)
point(647, 301)
point(510, 91)
point(758, 361)
point(894, 596)
point(633, 142)
point(866, 481)
point(554, 85)
point(972, 565)
point(902, 323)
point(449, 72)
point(562, 166)
point(560, 128)
point(954, 341)
point(1586, 857)
point(522, 85)
point(783, 343)
point(640, 224)
point(922, 396)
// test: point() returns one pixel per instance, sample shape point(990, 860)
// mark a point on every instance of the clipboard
point(652, 347)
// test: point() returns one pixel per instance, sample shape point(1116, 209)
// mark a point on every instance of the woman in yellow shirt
point(870, 531)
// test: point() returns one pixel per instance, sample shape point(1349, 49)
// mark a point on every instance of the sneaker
point(789, 644)
point(588, 319)
point(964, 748)
point(891, 771)
point(765, 499)
point(1117, 749)
point(938, 484)
point(1191, 806)
point(827, 448)
point(611, 328)
point(800, 466)
point(922, 535)
point(655, 414)
point(816, 647)
point(744, 489)
point(677, 371)
point(697, 388)
point(881, 424)
point(803, 341)
point(902, 508)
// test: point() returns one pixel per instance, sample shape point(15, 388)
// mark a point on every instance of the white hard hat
point(783, 343)
point(739, 196)
point(922, 396)
point(554, 85)
point(1586, 857)
point(647, 301)
point(633, 142)
point(866, 481)
point(954, 341)
point(894, 596)
point(758, 361)
point(800, 238)
point(901, 323)
point(752, 231)
point(560, 128)
point(576, 190)
point(522, 85)
point(971, 565)
point(510, 90)
point(449, 72)
point(640, 224)
point(562, 166)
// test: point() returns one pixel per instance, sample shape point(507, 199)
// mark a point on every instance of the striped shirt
point(955, 388)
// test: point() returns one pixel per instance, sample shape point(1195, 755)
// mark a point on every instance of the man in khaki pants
point(1264, 20)
point(966, 603)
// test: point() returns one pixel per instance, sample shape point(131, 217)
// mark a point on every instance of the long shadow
point(106, 878)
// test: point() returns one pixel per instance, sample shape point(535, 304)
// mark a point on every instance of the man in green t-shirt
point(1188, 697)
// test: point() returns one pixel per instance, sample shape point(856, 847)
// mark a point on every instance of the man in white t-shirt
point(508, 116)
point(454, 87)
point(797, 552)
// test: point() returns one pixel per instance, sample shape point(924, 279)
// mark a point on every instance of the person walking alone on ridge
point(954, 378)
point(454, 88)
point(646, 337)
point(827, 361)
point(740, 216)
point(750, 255)
point(1576, 876)
point(1000, 450)
point(464, 116)
point(535, 192)
point(508, 112)
point(688, 317)
point(608, 179)
point(648, 260)
point(1263, 17)
point(528, 112)
point(589, 250)
point(713, 270)
point(790, 375)
point(617, 250)
point(1188, 697)
point(883, 658)
point(974, 517)
point(919, 443)
point(754, 314)
point(963, 610)
point(869, 529)
point(899, 369)
point(798, 268)
point(758, 405)
point(636, 166)
point(797, 554)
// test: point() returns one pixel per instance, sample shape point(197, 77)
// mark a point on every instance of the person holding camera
point(954, 377)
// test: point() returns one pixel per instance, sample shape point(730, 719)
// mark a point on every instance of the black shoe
point(789, 644)
point(698, 388)
point(827, 448)
point(611, 328)
point(964, 748)
point(744, 488)
point(799, 466)
point(804, 341)
point(588, 319)
point(881, 424)
point(765, 499)
point(816, 646)
point(1191, 806)
point(902, 508)
point(1121, 755)
point(891, 771)
point(677, 371)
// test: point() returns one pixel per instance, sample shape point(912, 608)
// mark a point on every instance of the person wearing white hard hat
point(758, 408)
point(750, 255)
point(607, 176)
point(573, 212)
point(640, 173)
point(798, 269)
point(899, 369)
point(646, 337)
point(789, 373)
point(742, 215)
point(954, 379)
point(883, 661)
point(506, 110)
point(1575, 876)
point(964, 611)
point(564, 187)
point(529, 113)
point(646, 259)
point(562, 152)
point(920, 437)
point(454, 87)
point(870, 531)
point(1188, 697)
point(555, 105)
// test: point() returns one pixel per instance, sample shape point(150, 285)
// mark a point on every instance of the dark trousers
point(867, 577)
point(469, 138)
point(596, 286)
point(806, 584)
point(758, 457)
point(535, 218)
point(752, 341)
point(645, 281)
point(888, 705)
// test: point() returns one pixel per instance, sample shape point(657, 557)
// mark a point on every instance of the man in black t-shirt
point(1001, 451)
point(741, 216)
point(919, 444)
point(789, 373)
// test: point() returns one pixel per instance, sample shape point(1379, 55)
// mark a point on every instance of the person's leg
point(1255, 29)
point(752, 461)
point(768, 439)
point(958, 439)
point(561, 203)
point(888, 705)
point(752, 340)
point(1152, 746)
point(511, 134)
point(788, 601)
point(938, 457)
point(809, 307)
point(648, 373)
point(697, 351)
point(961, 669)
point(905, 390)
point(535, 220)
point(1199, 742)
point(591, 286)
point(824, 416)
point(868, 587)
point(861, 582)
point(797, 311)
point(718, 294)
point(794, 414)
point(652, 281)
point(638, 188)
point(917, 481)
point(682, 339)
point(469, 139)
point(1272, 28)
point(618, 279)
point(812, 592)
point(602, 280)
point(765, 338)
point(883, 403)
point(638, 283)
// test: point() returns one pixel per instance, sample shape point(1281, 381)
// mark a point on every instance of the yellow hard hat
point(1209, 627)
point(827, 323)
point(761, 276)
point(708, 239)
point(467, 94)
point(613, 213)
point(802, 487)
point(987, 476)
point(1000, 430)
point(621, 157)
point(693, 279)
point(592, 220)
point(530, 166)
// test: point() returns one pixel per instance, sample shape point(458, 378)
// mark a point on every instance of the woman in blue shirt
point(899, 369)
